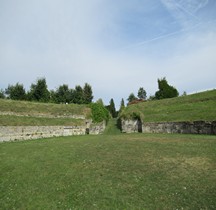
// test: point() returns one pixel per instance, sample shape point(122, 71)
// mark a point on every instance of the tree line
point(82, 95)
point(39, 92)
point(165, 91)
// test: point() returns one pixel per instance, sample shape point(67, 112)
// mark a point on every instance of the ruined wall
point(197, 127)
point(97, 128)
point(12, 133)
point(129, 126)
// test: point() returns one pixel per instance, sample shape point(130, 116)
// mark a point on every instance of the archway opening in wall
point(137, 118)
point(139, 125)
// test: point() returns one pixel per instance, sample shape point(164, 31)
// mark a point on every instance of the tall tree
point(87, 94)
point(112, 108)
point(62, 94)
point(16, 92)
point(100, 101)
point(141, 93)
point(39, 91)
point(78, 95)
point(122, 105)
point(131, 98)
point(165, 90)
point(2, 95)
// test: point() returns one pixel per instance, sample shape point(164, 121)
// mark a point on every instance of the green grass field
point(121, 171)
point(23, 113)
point(199, 106)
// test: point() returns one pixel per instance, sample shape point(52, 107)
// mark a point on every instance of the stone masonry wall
point(12, 133)
point(129, 126)
point(196, 127)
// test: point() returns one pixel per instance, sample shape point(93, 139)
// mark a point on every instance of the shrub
point(99, 112)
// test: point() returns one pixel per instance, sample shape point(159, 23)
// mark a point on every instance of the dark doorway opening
point(139, 125)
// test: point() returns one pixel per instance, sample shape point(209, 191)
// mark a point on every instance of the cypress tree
point(122, 106)
point(112, 108)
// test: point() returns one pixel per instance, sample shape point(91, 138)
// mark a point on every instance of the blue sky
point(116, 46)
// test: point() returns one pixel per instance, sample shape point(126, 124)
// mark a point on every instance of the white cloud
point(184, 11)
point(74, 42)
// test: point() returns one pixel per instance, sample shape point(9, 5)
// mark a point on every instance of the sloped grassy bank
point(22, 113)
point(187, 114)
point(20, 120)
point(195, 107)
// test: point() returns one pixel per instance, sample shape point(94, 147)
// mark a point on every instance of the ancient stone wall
point(98, 128)
point(129, 126)
point(12, 133)
point(196, 127)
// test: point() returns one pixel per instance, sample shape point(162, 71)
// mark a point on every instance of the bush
point(99, 112)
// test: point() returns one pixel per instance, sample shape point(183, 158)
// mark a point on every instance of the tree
point(87, 94)
point(112, 109)
point(165, 90)
point(141, 93)
point(2, 95)
point(184, 93)
point(62, 94)
point(122, 106)
point(16, 92)
point(100, 101)
point(131, 98)
point(99, 112)
point(39, 91)
point(78, 95)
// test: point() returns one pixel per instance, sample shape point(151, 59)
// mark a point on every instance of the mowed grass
point(36, 108)
point(7, 120)
point(125, 171)
point(24, 113)
point(199, 106)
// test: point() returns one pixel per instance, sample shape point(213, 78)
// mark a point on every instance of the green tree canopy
point(165, 90)
point(39, 91)
point(122, 105)
point(100, 101)
point(16, 92)
point(78, 95)
point(99, 112)
point(112, 108)
point(2, 94)
point(62, 94)
point(87, 94)
point(141, 93)
point(131, 98)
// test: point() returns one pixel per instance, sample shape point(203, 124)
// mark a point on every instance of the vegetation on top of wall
point(99, 113)
point(199, 106)
point(13, 112)
point(33, 108)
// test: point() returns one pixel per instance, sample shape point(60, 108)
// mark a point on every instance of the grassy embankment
point(115, 171)
point(200, 106)
point(13, 113)
point(134, 171)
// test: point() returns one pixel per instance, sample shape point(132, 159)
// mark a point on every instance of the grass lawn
point(199, 106)
point(122, 171)
point(25, 113)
